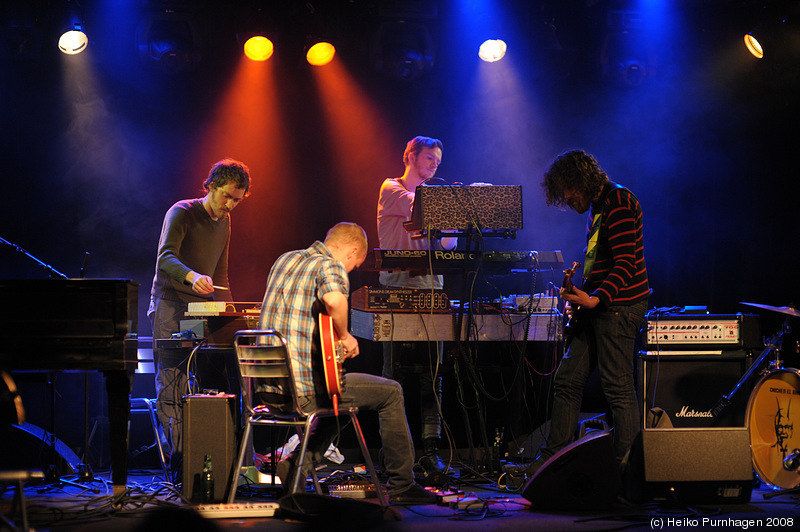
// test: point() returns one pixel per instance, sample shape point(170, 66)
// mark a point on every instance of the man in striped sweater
point(606, 313)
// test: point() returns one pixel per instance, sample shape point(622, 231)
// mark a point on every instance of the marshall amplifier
point(687, 386)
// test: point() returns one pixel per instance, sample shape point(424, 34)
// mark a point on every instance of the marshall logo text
point(686, 412)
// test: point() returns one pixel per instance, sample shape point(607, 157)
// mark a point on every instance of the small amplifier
point(400, 300)
point(702, 331)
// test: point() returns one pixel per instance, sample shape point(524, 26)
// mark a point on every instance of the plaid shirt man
point(293, 299)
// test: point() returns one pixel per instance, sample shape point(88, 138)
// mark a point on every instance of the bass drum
point(771, 411)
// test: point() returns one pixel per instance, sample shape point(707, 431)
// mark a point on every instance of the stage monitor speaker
point(687, 387)
point(691, 466)
point(582, 476)
point(208, 429)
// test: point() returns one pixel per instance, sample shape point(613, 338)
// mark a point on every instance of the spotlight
point(258, 48)
point(170, 41)
point(320, 54)
point(492, 50)
point(768, 38)
point(753, 45)
point(776, 35)
point(627, 57)
point(72, 37)
point(402, 50)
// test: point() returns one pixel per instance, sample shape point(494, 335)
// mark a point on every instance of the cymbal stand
point(773, 345)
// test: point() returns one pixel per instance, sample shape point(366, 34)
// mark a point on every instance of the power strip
point(237, 509)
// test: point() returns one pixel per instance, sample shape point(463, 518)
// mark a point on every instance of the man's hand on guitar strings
point(577, 298)
point(350, 346)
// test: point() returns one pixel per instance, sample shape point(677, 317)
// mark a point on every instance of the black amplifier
point(675, 330)
point(399, 300)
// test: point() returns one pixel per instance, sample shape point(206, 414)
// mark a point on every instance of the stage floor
point(152, 504)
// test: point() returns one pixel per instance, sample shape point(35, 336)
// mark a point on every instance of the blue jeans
point(373, 393)
point(171, 378)
point(602, 338)
point(430, 390)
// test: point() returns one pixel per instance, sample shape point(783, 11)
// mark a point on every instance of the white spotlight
point(492, 50)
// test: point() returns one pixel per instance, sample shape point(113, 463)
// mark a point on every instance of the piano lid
point(68, 323)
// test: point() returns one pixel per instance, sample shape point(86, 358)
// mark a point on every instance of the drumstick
point(220, 287)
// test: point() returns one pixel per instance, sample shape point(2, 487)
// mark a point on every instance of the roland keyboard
point(460, 261)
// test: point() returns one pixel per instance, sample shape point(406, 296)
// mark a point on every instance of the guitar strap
point(591, 245)
point(594, 230)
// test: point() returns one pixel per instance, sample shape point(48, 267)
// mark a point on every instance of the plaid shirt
point(292, 302)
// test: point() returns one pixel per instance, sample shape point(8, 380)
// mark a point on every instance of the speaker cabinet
point(582, 476)
point(687, 387)
point(208, 429)
point(691, 466)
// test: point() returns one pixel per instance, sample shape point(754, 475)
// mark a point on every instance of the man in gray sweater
point(192, 260)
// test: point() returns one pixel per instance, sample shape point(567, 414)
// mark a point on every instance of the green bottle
point(207, 481)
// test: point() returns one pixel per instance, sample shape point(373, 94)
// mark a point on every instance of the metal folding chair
point(263, 354)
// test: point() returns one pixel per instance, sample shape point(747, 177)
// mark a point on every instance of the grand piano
point(76, 324)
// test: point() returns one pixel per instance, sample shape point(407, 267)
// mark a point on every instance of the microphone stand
point(85, 473)
point(52, 476)
point(47, 267)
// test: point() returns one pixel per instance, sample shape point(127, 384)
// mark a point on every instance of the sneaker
point(415, 494)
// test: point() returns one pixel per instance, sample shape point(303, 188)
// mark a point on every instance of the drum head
point(771, 411)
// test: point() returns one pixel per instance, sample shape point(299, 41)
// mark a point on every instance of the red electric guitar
point(332, 357)
point(568, 285)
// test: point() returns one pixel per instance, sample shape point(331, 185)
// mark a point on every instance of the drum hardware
point(792, 461)
point(772, 345)
point(791, 311)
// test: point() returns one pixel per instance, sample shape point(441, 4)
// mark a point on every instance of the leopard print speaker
point(459, 207)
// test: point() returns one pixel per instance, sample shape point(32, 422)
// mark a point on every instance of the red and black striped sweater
point(619, 274)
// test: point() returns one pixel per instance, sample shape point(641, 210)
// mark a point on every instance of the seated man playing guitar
point(303, 284)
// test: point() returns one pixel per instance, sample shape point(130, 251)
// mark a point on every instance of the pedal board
point(353, 490)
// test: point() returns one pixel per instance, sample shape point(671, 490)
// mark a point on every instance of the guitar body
point(567, 284)
point(332, 357)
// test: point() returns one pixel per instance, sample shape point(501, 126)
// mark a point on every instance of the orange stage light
point(258, 48)
point(321, 54)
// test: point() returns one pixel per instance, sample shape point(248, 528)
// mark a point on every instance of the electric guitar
point(332, 357)
point(568, 285)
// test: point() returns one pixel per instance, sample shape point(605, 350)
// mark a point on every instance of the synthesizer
point(400, 300)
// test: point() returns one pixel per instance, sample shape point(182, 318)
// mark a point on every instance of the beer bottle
point(207, 481)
